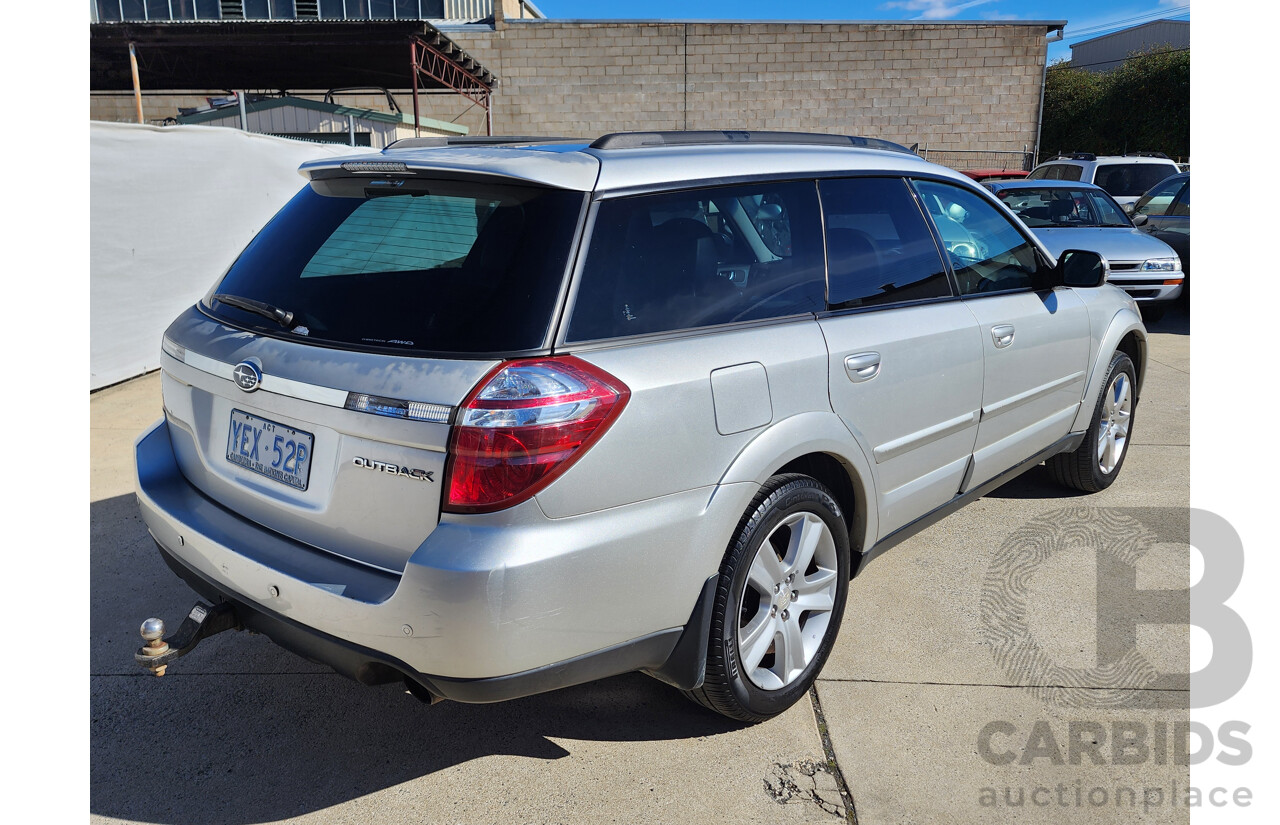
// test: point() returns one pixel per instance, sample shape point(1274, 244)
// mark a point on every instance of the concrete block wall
point(952, 87)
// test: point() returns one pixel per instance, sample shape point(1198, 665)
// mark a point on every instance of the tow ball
point(202, 622)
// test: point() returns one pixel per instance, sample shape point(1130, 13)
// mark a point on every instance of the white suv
point(1125, 177)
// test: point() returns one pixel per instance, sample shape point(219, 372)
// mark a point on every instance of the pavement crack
point(1170, 366)
point(997, 685)
point(808, 781)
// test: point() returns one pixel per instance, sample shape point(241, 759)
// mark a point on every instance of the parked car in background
point(1073, 215)
point(1124, 177)
point(497, 419)
point(982, 175)
point(1167, 208)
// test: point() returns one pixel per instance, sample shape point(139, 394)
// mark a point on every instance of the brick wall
point(945, 86)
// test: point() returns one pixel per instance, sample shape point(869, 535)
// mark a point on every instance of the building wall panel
point(948, 87)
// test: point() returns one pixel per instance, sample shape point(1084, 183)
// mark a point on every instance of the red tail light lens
point(522, 426)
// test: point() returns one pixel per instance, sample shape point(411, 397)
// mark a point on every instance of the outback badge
point(394, 469)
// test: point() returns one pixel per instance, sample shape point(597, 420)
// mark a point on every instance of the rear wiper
point(283, 317)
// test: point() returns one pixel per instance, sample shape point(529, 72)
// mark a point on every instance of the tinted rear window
point(879, 248)
point(699, 258)
point(1123, 180)
point(441, 267)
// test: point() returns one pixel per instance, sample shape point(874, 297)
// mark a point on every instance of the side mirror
point(1139, 220)
point(1078, 267)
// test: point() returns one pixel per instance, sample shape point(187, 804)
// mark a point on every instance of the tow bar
point(202, 622)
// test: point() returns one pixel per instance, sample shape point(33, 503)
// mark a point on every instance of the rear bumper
point(488, 608)
point(373, 667)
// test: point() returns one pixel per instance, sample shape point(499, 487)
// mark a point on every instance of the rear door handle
point(862, 367)
point(1002, 335)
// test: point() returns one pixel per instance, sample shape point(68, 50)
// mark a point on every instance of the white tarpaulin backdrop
point(170, 208)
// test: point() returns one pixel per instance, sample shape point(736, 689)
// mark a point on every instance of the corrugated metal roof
point(295, 54)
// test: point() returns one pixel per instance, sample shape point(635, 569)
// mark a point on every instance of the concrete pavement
point(934, 703)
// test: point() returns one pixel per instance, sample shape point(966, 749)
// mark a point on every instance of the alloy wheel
point(787, 601)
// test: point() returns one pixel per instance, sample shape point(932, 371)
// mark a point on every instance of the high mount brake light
point(523, 425)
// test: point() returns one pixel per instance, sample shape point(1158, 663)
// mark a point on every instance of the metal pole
point(488, 114)
point(351, 130)
point(137, 85)
point(244, 114)
point(1044, 77)
point(413, 63)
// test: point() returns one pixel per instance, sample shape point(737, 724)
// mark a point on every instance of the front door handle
point(1002, 335)
point(862, 367)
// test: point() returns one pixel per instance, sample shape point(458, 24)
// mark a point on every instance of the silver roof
point(581, 168)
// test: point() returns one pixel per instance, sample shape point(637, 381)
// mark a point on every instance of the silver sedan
point(1074, 215)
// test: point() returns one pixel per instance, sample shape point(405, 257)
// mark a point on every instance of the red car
point(993, 174)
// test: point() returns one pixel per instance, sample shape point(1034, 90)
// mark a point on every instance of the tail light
point(522, 426)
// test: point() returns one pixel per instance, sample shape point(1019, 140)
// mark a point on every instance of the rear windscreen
point(1131, 179)
point(436, 266)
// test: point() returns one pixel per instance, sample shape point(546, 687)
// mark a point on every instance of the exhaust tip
point(421, 692)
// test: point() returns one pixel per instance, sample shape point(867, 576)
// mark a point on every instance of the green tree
point(1142, 105)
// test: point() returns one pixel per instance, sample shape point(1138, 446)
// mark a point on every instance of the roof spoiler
point(438, 141)
point(641, 140)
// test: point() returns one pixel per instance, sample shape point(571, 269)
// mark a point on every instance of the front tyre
point(1097, 461)
point(779, 600)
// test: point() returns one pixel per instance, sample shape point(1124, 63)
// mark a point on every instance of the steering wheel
point(967, 253)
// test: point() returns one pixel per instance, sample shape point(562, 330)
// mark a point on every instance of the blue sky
point(1085, 18)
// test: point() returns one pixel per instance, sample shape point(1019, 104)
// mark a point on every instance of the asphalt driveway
point(997, 667)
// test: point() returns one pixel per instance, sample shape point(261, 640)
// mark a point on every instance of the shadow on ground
point(241, 731)
point(1176, 320)
point(1037, 482)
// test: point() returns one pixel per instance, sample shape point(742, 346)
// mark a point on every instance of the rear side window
point(879, 248)
point(1182, 206)
point(1056, 171)
point(1157, 201)
point(1123, 180)
point(436, 266)
point(691, 259)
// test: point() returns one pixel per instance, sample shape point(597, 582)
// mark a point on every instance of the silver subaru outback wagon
point(494, 418)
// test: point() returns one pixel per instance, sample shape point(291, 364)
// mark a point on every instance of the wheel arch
point(819, 445)
point(1124, 334)
point(1135, 346)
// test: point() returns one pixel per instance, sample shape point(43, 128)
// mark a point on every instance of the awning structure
point(285, 56)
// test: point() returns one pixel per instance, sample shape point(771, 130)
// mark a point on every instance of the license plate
point(274, 450)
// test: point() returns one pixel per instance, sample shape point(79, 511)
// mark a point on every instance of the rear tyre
point(1097, 461)
point(779, 601)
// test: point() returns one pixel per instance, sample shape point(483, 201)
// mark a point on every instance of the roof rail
point(638, 140)
point(1076, 156)
point(436, 141)
point(1146, 155)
